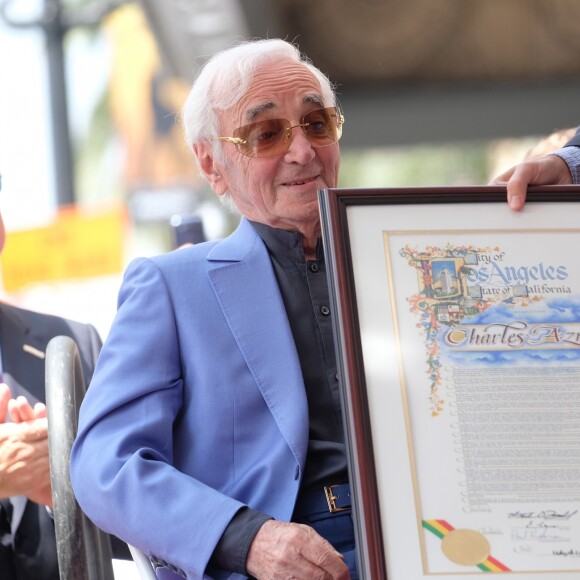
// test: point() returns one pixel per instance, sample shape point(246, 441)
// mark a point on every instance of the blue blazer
point(197, 406)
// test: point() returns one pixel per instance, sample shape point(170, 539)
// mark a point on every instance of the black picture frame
point(344, 226)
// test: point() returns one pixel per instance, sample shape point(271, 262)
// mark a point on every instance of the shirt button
point(325, 310)
point(314, 267)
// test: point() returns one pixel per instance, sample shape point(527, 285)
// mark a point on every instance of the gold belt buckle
point(331, 500)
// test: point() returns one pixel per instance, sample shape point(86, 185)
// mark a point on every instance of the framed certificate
point(457, 324)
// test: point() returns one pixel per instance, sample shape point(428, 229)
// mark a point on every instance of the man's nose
point(300, 149)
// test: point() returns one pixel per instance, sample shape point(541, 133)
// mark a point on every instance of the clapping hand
point(24, 462)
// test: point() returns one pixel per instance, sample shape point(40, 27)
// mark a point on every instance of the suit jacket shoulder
point(24, 336)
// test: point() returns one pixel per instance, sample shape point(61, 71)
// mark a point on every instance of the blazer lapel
point(247, 290)
point(22, 355)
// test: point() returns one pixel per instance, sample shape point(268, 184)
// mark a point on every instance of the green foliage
point(416, 166)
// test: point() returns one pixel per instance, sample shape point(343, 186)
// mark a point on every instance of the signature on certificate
point(539, 534)
point(567, 553)
point(543, 515)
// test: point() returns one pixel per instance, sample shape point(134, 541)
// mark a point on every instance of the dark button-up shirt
point(304, 290)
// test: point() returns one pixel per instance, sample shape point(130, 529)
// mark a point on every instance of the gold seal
point(465, 547)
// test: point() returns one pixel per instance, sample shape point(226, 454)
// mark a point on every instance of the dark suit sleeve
point(89, 344)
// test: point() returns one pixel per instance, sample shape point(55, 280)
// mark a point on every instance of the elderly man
point(211, 436)
point(213, 427)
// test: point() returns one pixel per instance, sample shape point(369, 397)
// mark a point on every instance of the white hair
point(225, 78)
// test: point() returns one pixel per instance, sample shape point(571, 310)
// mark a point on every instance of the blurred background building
point(435, 92)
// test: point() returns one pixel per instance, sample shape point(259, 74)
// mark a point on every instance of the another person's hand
point(24, 461)
point(547, 170)
point(283, 550)
point(19, 410)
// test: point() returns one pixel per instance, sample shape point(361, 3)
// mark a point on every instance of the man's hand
point(547, 170)
point(281, 551)
point(24, 463)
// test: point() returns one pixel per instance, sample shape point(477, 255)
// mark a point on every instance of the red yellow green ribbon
point(441, 528)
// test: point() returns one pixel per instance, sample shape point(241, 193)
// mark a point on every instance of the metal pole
point(62, 150)
point(54, 22)
point(84, 551)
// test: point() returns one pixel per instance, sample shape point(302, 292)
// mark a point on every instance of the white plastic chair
point(143, 564)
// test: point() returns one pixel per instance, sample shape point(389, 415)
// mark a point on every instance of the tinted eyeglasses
point(272, 137)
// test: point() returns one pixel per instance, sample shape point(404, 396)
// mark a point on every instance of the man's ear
point(209, 169)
